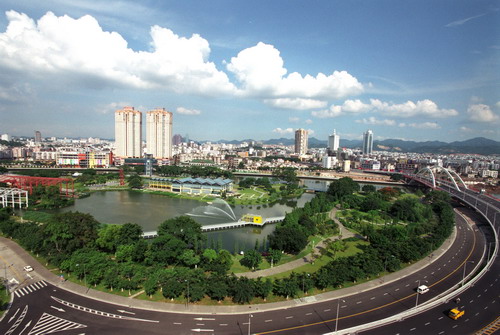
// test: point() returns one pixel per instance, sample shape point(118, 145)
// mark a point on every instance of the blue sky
point(413, 70)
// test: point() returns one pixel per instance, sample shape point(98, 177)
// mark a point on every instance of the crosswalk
point(21, 292)
point(48, 324)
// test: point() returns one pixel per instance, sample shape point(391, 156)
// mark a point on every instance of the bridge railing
point(451, 293)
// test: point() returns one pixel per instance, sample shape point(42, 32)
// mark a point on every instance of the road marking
point(289, 317)
point(26, 326)
point(455, 326)
point(18, 321)
point(386, 293)
point(198, 330)
point(177, 323)
point(51, 324)
point(428, 323)
point(441, 318)
point(396, 290)
point(101, 313)
point(372, 298)
point(268, 320)
point(470, 302)
point(441, 333)
point(308, 313)
point(58, 309)
point(125, 312)
point(407, 285)
point(432, 273)
point(204, 319)
point(412, 329)
point(223, 324)
point(359, 302)
point(327, 310)
point(13, 316)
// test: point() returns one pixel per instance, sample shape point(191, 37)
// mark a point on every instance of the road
point(51, 306)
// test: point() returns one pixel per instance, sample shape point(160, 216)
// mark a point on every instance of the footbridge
point(227, 225)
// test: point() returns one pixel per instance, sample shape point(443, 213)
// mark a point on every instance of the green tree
point(289, 238)
point(108, 237)
point(129, 233)
point(251, 259)
point(183, 228)
point(189, 258)
point(274, 256)
point(134, 181)
point(242, 290)
point(263, 288)
point(342, 187)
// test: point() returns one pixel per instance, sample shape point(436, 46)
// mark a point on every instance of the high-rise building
point(177, 139)
point(367, 142)
point(128, 133)
point(333, 141)
point(301, 141)
point(159, 133)
point(38, 136)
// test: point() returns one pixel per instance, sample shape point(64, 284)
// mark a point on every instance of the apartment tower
point(301, 141)
point(333, 141)
point(159, 133)
point(128, 133)
point(368, 142)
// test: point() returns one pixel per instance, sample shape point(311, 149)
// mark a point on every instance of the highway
point(51, 306)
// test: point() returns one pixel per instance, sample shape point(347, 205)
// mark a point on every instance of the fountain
point(215, 209)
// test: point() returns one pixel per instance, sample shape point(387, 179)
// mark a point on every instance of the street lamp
point(337, 318)
point(187, 303)
point(250, 316)
point(463, 276)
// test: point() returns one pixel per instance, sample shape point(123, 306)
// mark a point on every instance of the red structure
point(122, 178)
point(66, 185)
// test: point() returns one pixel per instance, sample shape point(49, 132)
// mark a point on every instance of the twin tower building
point(128, 133)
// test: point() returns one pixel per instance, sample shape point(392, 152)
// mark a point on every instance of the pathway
point(344, 233)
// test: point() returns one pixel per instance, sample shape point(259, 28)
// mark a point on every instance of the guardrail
point(450, 293)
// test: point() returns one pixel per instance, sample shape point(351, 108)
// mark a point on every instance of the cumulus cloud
point(295, 103)
point(425, 108)
point(185, 111)
point(309, 121)
point(283, 131)
point(112, 107)
point(261, 72)
point(481, 113)
point(293, 119)
point(79, 48)
point(372, 120)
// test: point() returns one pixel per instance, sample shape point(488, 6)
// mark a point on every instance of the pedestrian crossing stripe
point(21, 292)
point(48, 324)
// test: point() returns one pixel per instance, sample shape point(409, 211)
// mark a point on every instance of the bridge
point(227, 225)
point(29, 183)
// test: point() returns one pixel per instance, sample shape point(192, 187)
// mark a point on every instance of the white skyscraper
point(128, 133)
point(367, 142)
point(159, 133)
point(301, 141)
point(333, 141)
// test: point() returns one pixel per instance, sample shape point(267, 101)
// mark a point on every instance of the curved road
point(47, 306)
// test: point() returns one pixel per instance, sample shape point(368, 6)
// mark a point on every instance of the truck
point(455, 313)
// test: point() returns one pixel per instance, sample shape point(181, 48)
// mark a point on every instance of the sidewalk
point(14, 254)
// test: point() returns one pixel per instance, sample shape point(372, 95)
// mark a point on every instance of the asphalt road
point(49, 307)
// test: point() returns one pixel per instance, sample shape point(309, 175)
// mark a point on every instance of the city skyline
point(235, 71)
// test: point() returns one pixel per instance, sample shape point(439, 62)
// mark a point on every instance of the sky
point(412, 70)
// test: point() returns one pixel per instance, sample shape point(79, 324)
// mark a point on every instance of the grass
point(352, 249)
point(4, 300)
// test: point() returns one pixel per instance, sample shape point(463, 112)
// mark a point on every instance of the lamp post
point(337, 318)
point(187, 302)
point(303, 279)
point(250, 316)
point(463, 276)
point(84, 275)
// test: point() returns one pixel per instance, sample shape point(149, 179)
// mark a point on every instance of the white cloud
point(64, 47)
point(293, 119)
point(112, 107)
point(408, 109)
point(372, 120)
point(310, 132)
point(185, 111)
point(309, 121)
point(462, 21)
point(426, 108)
point(296, 103)
point(481, 113)
point(283, 131)
point(425, 125)
point(466, 129)
point(260, 70)
point(497, 104)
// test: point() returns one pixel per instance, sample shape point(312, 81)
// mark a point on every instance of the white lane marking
point(223, 324)
point(386, 293)
point(268, 320)
point(428, 323)
point(372, 298)
point(412, 329)
point(440, 318)
point(289, 317)
point(407, 285)
point(327, 310)
point(359, 302)
point(177, 323)
point(308, 313)
point(396, 290)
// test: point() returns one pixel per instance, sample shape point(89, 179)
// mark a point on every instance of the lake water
point(150, 210)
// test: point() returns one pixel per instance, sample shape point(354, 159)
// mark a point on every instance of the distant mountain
point(478, 145)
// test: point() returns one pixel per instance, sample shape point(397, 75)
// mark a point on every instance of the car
point(455, 313)
point(28, 268)
point(422, 289)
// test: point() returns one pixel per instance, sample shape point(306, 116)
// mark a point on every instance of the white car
point(28, 268)
point(422, 289)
